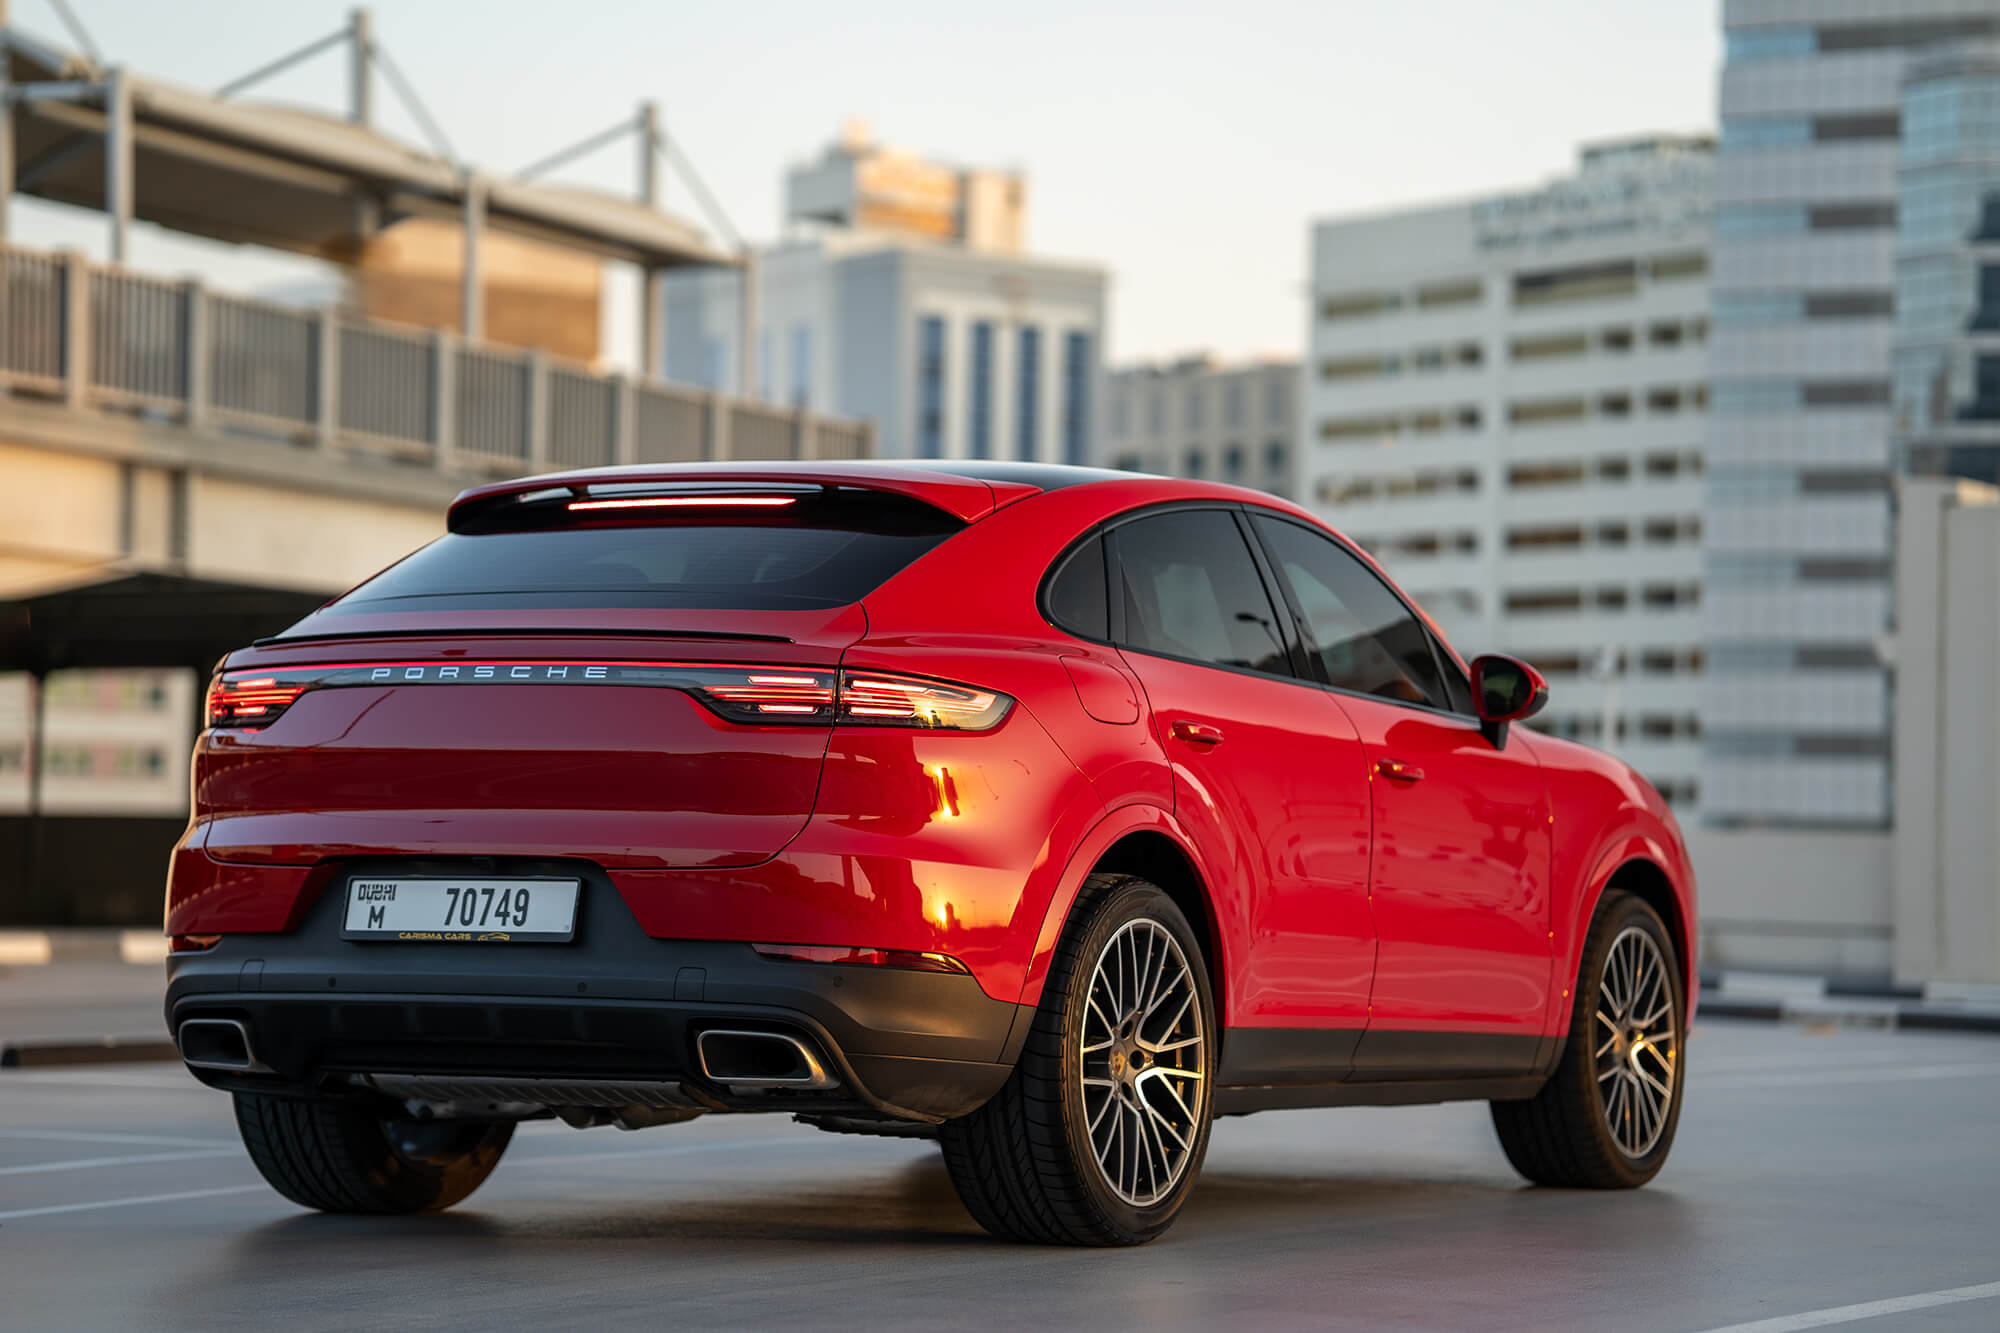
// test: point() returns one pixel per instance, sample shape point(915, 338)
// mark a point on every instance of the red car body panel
point(1337, 896)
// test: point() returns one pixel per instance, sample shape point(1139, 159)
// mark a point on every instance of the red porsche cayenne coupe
point(1046, 811)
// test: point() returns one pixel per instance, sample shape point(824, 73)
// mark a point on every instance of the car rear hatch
point(638, 673)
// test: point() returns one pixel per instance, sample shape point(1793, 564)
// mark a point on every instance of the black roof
point(1047, 476)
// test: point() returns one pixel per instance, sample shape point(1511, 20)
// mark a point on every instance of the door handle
point(1400, 771)
point(1197, 733)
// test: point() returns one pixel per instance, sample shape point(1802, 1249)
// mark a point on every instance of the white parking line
point(137, 1159)
point(1898, 1074)
point(129, 1203)
point(1848, 1314)
point(95, 1136)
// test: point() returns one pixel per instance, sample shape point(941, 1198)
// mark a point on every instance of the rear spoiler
point(968, 499)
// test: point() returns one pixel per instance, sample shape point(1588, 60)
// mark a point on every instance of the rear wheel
point(1606, 1118)
point(1098, 1135)
point(341, 1159)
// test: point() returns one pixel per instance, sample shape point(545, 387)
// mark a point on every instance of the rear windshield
point(827, 550)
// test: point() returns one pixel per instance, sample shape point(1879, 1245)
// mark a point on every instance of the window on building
point(1666, 398)
point(1028, 394)
point(979, 394)
point(1358, 305)
point(1275, 462)
point(1615, 340)
point(930, 386)
point(1232, 404)
point(1426, 359)
point(1529, 476)
point(1557, 537)
point(1357, 428)
point(1470, 354)
point(1861, 125)
point(1745, 44)
point(1610, 597)
point(1191, 590)
point(1365, 638)
point(1194, 465)
point(1550, 347)
point(1578, 282)
point(1156, 411)
point(1665, 334)
point(1541, 411)
point(1678, 267)
point(1232, 464)
point(1373, 366)
point(1542, 601)
point(1076, 397)
point(1615, 404)
point(1194, 404)
point(1613, 532)
point(1614, 469)
point(1462, 291)
point(1859, 215)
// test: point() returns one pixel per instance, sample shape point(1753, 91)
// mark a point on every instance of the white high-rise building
point(1801, 444)
point(1504, 399)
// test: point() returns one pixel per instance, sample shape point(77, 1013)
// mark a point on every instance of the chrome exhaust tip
point(739, 1059)
point(217, 1043)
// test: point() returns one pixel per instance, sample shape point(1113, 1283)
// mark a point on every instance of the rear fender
point(1116, 824)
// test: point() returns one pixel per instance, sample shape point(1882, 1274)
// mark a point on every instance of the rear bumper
point(614, 1004)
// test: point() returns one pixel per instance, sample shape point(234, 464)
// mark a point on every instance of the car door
point(1459, 879)
point(1271, 787)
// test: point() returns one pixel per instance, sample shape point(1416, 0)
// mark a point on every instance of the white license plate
point(461, 911)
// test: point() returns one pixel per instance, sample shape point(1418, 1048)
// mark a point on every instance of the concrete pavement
point(1818, 1169)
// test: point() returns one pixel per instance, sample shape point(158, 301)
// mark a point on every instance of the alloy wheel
point(1144, 1060)
point(1638, 1042)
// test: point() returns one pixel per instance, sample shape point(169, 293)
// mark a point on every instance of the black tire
point(342, 1159)
point(1563, 1135)
point(1024, 1163)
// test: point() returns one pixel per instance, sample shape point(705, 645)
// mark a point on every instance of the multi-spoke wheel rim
point(1638, 1042)
point(1144, 1052)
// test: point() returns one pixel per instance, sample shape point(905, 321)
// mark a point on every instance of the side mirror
point(1505, 689)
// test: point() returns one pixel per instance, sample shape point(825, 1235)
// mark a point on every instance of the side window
point(1077, 599)
point(1191, 589)
point(1368, 640)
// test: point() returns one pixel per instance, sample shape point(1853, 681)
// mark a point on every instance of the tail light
point(760, 695)
point(907, 959)
point(249, 701)
point(873, 698)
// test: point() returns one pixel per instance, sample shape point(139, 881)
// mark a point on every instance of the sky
point(1185, 147)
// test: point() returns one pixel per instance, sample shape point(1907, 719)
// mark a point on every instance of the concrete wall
point(1791, 901)
point(1947, 763)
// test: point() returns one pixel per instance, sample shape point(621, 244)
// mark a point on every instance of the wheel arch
point(1641, 866)
point(1140, 840)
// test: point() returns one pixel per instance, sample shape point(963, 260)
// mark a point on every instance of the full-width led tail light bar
point(762, 695)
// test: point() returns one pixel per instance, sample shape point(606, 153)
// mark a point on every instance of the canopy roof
point(256, 173)
point(143, 620)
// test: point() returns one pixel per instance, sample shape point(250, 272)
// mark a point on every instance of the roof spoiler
point(967, 499)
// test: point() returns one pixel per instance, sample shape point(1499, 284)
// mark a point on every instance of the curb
point(38, 948)
point(1876, 1010)
point(31, 1054)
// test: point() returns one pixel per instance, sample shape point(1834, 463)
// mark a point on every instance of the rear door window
point(1191, 589)
point(825, 550)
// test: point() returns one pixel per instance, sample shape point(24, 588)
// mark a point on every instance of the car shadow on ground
point(914, 1204)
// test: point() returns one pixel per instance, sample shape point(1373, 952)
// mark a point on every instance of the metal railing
point(102, 337)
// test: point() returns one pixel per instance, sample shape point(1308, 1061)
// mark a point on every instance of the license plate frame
point(548, 903)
